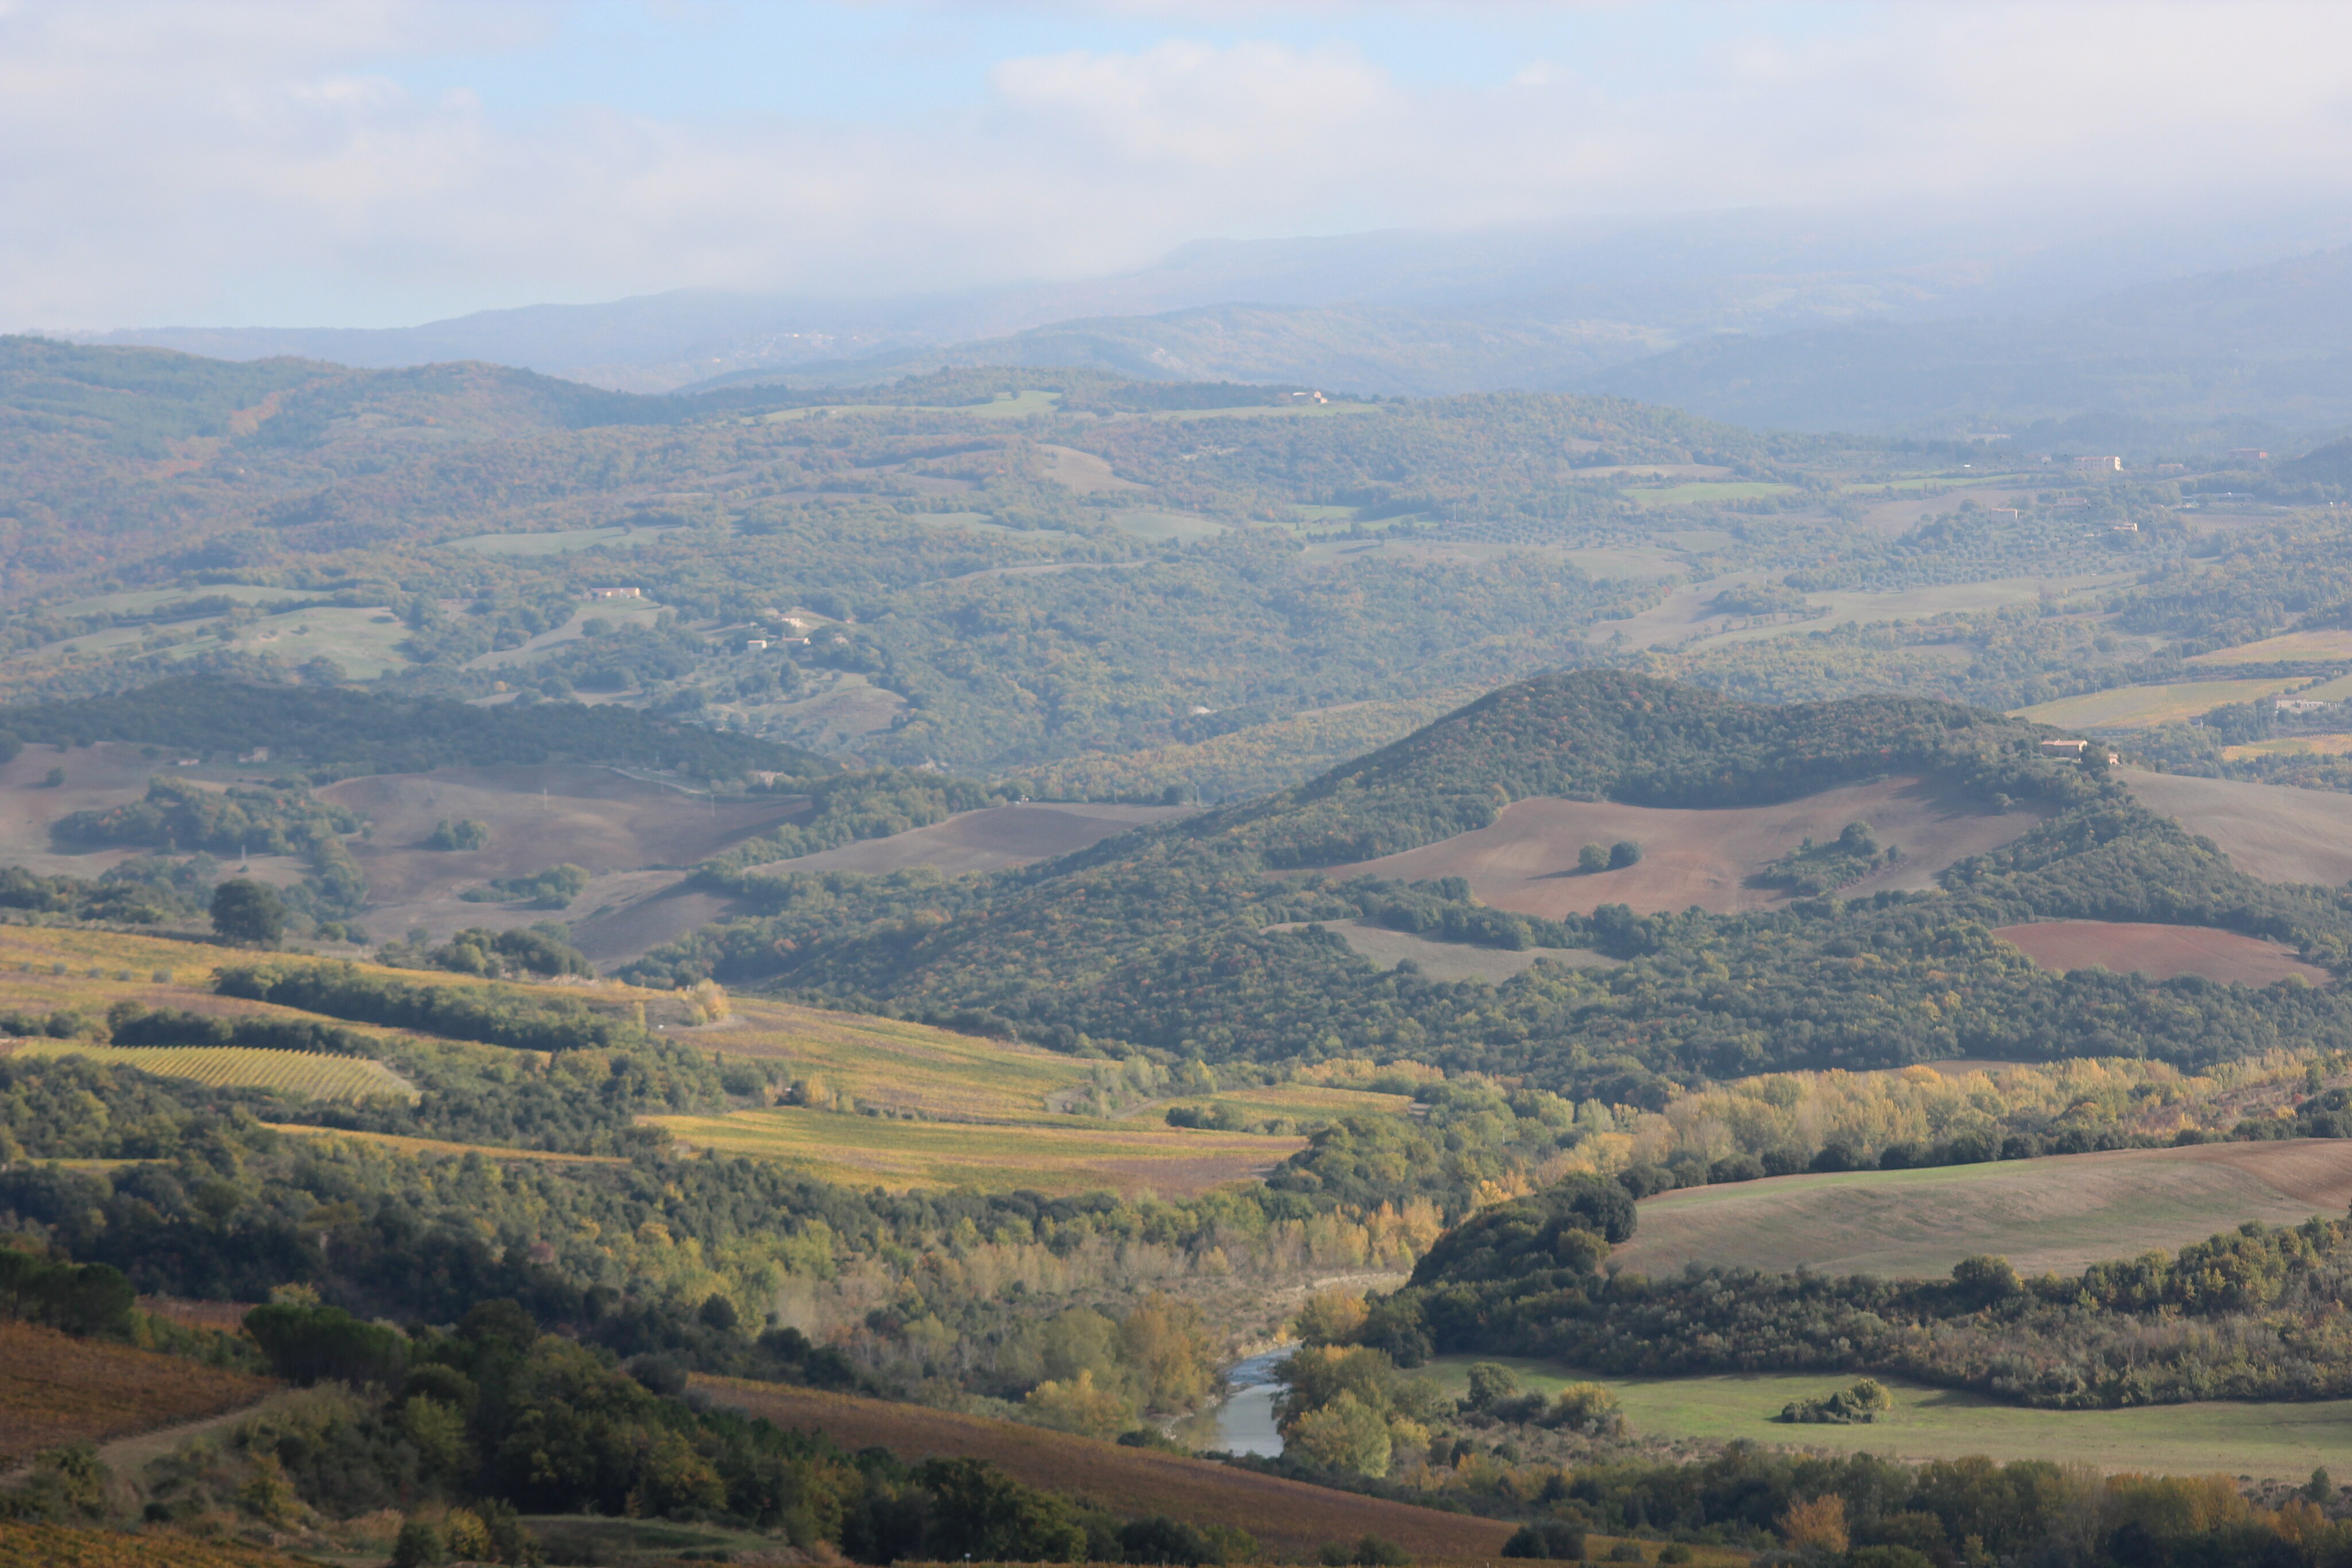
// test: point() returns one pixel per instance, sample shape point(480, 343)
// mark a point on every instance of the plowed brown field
point(1286, 1516)
point(2268, 830)
point(2160, 952)
point(1526, 860)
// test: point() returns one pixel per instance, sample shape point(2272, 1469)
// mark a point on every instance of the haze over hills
point(1543, 307)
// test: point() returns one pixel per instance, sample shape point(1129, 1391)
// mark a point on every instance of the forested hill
point(332, 732)
point(1611, 735)
point(1182, 939)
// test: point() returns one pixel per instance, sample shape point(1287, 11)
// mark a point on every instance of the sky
point(379, 163)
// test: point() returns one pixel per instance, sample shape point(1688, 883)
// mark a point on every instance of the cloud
point(229, 163)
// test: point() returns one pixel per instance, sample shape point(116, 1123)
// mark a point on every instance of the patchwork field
point(2268, 830)
point(305, 1075)
point(2160, 952)
point(2282, 1440)
point(57, 1389)
point(1446, 960)
point(2058, 1213)
point(2137, 708)
point(875, 1151)
point(986, 840)
point(1286, 1516)
point(1524, 860)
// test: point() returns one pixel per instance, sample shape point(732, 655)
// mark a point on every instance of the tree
point(250, 911)
point(1592, 858)
point(1622, 853)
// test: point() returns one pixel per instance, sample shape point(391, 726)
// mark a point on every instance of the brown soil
point(595, 818)
point(2268, 830)
point(1286, 1516)
point(1526, 860)
point(98, 777)
point(2160, 952)
point(987, 840)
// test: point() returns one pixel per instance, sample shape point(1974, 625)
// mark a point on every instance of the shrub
point(1554, 1540)
point(465, 833)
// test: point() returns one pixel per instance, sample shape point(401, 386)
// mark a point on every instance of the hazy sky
point(378, 163)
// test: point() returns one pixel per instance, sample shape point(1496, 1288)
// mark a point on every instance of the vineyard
point(57, 1546)
point(302, 1074)
point(57, 1389)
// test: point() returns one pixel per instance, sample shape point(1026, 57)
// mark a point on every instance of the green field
point(562, 543)
point(1701, 490)
point(135, 600)
point(2285, 1440)
point(1014, 405)
point(981, 523)
point(1159, 526)
point(2137, 708)
point(303, 1074)
point(364, 641)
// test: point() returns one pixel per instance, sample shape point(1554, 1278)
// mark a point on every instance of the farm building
point(2064, 748)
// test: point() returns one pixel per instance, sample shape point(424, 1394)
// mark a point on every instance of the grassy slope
point(2059, 1213)
point(2267, 1440)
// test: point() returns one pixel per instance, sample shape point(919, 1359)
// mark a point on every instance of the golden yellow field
point(440, 1146)
point(2136, 707)
point(305, 1074)
point(2327, 643)
point(2292, 746)
point(1077, 1157)
point(887, 1064)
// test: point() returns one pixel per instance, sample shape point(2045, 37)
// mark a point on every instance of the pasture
point(2294, 647)
point(1004, 405)
point(2160, 952)
point(300, 1074)
point(57, 1389)
point(1696, 491)
point(1286, 1516)
point(987, 840)
point(619, 611)
point(2058, 1213)
point(983, 523)
point(2268, 830)
point(2291, 746)
point(364, 641)
point(138, 600)
point(567, 542)
point(1445, 961)
point(2137, 708)
point(1081, 1156)
point(2285, 1441)
point(1524, 860)
point(1082, 473)
point(1159, 526)
point(899, 1067)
